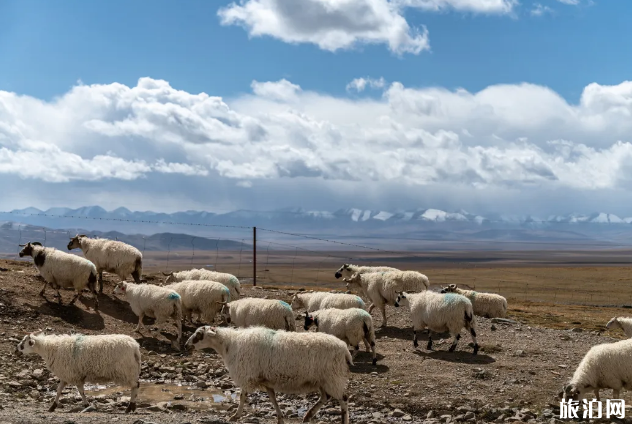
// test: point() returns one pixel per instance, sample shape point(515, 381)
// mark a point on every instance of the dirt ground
point(515, 377)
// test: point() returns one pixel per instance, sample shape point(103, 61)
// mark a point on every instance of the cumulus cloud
point(570, 2)
point(359, 84)
point(331, 25)
point(502, 137)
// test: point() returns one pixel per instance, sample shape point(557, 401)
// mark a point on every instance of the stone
point(397, 413)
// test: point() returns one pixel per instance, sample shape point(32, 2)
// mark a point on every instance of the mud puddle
point(151, 393)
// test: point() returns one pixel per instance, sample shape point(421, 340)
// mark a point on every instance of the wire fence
point(290, 259)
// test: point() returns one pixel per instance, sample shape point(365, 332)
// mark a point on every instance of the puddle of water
point(193, 398)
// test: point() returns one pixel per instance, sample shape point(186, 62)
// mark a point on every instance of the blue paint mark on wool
point(234, 280)
point(285, 305)
point(77, 345)
point(360, 300)
point(173, 296)
point(225, 289)
point(451, 298)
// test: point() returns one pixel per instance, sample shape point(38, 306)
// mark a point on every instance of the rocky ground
point(515, 377)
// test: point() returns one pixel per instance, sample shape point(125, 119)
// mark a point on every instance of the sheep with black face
point(62, 270)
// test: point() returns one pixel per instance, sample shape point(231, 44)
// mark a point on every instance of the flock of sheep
point(264, 351)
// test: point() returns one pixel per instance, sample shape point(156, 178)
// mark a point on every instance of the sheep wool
point(322, 300)
point(624, 323)
point(352, 326)
point(202, 297)
point(488, 305)
point(77, 359)
point(271, 313)
point(229, 280)
point(347, 270)
point(153, 301)
point(288, 362)
point(110, 256)
point(63, 270)
point(605, 366)
point(440, 313)
point(381, 288)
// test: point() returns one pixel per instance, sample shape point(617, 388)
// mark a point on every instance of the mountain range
point(421, 227)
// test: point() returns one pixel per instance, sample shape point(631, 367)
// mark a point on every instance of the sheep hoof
point(374, 361)
point(52, 407)
point(452, 348)
point(131, 407)
point(475, 349)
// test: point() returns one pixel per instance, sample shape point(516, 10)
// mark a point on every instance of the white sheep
point(349, 325)
point(414, 281)
point(440, 313)
point(347, 270)
point(605, 366)
point(77, 359)
point(288, 362)
point(271, 313)
point(322, 300)
point(381, 288)
point(111, 256)
point(488, 305)
point(229, 280)
point(202, 297)
point(153, 301)
point(62, 270)
point(624, 323)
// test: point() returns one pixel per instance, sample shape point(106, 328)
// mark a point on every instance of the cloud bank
point(505, 137)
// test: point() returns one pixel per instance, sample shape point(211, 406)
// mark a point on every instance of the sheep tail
point(92, 282)
point(288, 324)
point(468, 319)
point(367, 327)
point(138, 270)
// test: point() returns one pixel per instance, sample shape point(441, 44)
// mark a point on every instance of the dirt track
point(520, 367)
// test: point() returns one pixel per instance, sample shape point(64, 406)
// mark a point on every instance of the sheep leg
point(140, 323)
point(473, 334)
point(596, 394)
point(356, 349)
point(76, 296)
point(314, 409)
point(272, 397)
point(367, 346)
point(454, 343)
point(344, 409)
point(371, 307)
point(41, 293)
point(100, 281)
point(132, 400)
point(240, 408)
point(429, 345)
point(615, 394)
point(60, 388)
point(84, 399)
point(383, 310)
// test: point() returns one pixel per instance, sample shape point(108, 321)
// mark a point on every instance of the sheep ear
point(452, 286)
point(22, 245)
point(36, 243)
point(82, 235)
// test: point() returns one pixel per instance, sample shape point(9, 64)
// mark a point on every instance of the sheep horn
point(221, 303)
point(166, 275)
point(22, 245)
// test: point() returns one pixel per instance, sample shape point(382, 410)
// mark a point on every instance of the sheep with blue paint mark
point(153, 301)
point(489, 305)
point(205, 298)
point(259, 358)
point(78, 359)
point(313, 301)
point(229, 280)
point(440, 313)
point(380, 287)
point(352, 325)
point(272, 313)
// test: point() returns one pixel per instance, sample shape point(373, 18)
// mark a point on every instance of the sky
point(487, 105)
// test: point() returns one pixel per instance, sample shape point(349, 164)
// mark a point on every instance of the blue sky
point(512, 105)
point(184, 43)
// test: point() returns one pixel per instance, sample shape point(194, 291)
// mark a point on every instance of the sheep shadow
point(363, 364)
point(117, 308)
point(458, 356)
point(393, 333)
point(72, 314)
point(150, 342)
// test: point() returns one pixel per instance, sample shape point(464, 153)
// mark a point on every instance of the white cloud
point(331, 25)
point(539, 10)
point(500, 7)
point(503, 137)
point(570, 2)
point(359, 84)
